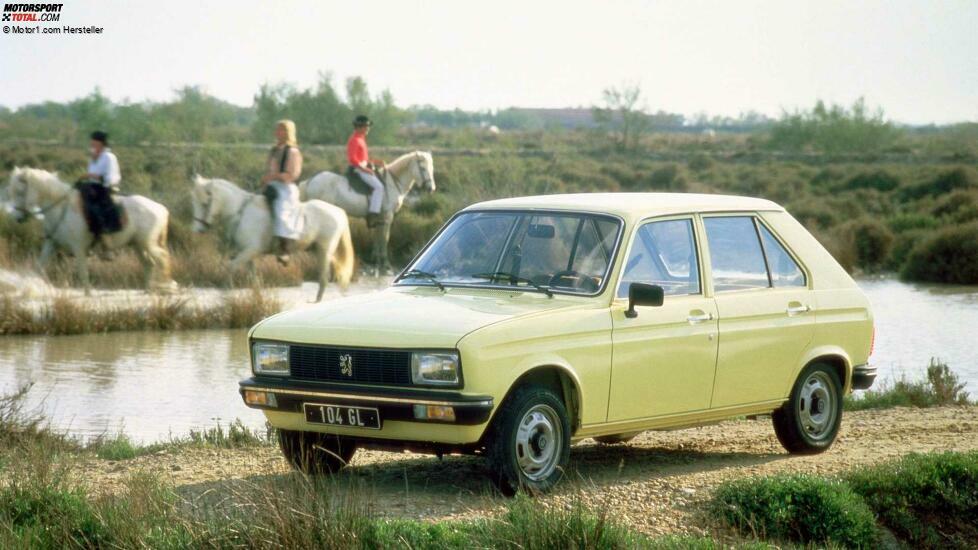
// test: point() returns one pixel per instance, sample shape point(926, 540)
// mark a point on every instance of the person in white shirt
point(104, 167)
point(96, 188)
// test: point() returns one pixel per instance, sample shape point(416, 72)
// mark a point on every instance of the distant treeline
point(323, 113)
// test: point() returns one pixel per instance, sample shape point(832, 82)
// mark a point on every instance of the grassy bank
point(65, 315)
point(923, 500)
point(941, 386)
point(912, 212)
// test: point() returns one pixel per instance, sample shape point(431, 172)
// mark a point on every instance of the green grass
point(800, 508)
point(941, 387)
point(929, 500)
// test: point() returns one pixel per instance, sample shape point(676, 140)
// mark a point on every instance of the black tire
point(316, 453)
point(533, 459)
point(809, 421)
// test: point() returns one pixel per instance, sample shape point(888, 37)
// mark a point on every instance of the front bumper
point(863, 376)
point(394, 404)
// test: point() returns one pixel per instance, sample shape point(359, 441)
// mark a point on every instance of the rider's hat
point(362, 121)
point(99, 135)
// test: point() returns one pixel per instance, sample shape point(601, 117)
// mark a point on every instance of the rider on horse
point(362, 166)
point(97, 185)
point(279, 186)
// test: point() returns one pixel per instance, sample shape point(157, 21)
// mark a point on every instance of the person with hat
point(362, 166)
point(104, 166)
point(96, 188)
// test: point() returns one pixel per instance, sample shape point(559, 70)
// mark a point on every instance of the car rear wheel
point(316, 453)
point(530, 441)
point(809, 422)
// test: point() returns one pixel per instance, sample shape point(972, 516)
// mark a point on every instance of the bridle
point(233, 228)
point(207, 209)
point(32, 213)
point(426, 180)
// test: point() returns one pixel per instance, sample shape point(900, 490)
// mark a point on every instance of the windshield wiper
point(513, 279)
point(418, 274)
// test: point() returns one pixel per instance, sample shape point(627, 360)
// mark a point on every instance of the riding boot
point(373, 220)
point(105, 253)
point(285, 247)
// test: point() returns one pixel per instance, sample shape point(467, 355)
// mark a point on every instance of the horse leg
point(325, 270)
point(81, 264)
point(47, 249)
point(243, 258)
point(147, 262)
point(377, 252)
point(385, 266)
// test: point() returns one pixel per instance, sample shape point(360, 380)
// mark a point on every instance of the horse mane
point(397, 164)
point(47, 182)
point(227, 185)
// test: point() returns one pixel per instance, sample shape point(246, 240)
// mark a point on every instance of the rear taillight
point(872, 341)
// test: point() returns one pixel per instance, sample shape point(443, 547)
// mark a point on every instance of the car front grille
point(353, 365)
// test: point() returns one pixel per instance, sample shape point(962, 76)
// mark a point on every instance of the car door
point(765, 310)
point(663, 359)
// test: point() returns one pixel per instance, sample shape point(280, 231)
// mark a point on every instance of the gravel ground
point(652, 484)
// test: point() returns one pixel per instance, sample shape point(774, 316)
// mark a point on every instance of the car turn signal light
point(434, 412)
point(260, 398)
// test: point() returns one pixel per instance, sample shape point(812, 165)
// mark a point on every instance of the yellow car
point(530, 323)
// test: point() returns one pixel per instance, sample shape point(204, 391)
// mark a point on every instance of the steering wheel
point(578, 279)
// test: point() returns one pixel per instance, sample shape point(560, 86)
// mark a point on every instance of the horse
point(39, 193)
point(403, 173)
point(247, 221)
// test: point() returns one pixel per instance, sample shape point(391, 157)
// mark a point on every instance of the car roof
point(632, 205)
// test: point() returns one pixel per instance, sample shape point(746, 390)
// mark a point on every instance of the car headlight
point(269, 358)
point(435, 368)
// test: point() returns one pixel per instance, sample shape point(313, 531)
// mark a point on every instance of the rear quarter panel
point(843, 318)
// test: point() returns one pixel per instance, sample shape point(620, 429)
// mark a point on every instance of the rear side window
point(784, 270)
point(735, 254)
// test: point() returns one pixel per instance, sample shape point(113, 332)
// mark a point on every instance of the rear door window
point(784, 269)
point(736, 256)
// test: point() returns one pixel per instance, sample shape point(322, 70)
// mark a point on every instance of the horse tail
point(343, 259)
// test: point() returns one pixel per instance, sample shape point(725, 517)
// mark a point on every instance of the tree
point(623, 114)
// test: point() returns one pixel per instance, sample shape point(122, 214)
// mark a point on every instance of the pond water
point(155, 384)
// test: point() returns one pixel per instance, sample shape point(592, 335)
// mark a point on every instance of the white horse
point(38, 193)
point(247, 221)
point(402, 175)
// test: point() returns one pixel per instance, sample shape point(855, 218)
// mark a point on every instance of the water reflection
point(152, 384)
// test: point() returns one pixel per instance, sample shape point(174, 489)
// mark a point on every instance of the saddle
point(101, 208)
point(358, 185)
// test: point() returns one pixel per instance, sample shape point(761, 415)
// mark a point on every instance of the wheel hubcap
point(816, 406)
point(538, 442)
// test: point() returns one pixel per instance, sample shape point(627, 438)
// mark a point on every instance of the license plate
point(341, 415)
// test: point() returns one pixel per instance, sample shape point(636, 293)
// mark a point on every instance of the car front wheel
point(809, 422)
point(530, 441)
point(316, 453)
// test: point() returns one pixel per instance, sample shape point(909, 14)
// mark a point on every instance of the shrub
point(942, 387)
point(865, 243)
point(666, 178)
point(943, 183)
point(800, 508)
point(909, 222)
point(947, 256)
point(930, 500)
point(700, 162)
point(880, 180)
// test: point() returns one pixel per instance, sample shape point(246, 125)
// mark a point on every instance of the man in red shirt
point(361, 163)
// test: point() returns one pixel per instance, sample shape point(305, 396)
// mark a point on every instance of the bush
point(929, 500)
point(863, 243)
point(942, 387)
point(880, 180)
point(943, 183)
point(947, 256)
point(800, 508)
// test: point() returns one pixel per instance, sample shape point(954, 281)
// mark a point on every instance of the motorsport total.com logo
point(32, 13)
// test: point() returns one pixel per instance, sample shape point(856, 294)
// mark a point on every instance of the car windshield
point(545, 252)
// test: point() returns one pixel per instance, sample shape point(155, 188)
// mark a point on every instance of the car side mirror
point(641, 294)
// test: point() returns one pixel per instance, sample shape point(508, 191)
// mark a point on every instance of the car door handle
point(697, 318)
point(797, 309)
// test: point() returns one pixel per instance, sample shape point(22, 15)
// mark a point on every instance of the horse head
point(202, 198)
point(426, 170)
point(25, 190)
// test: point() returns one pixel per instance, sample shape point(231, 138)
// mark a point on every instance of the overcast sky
point(917, 59)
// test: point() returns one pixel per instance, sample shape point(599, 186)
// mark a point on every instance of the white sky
point(917, 59)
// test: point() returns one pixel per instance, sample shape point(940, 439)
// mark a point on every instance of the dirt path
point(651, 484)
